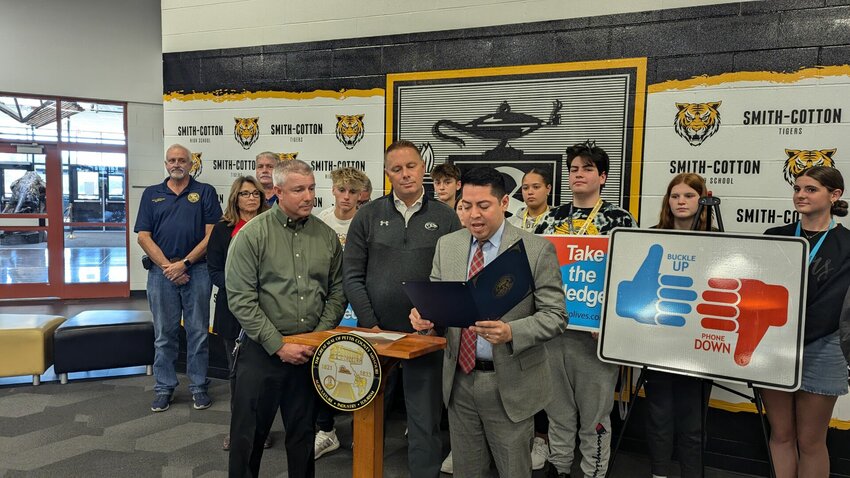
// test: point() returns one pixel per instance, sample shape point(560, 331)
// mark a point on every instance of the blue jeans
point(170, 302)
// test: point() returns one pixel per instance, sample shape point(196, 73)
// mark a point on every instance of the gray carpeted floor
point(104, 428)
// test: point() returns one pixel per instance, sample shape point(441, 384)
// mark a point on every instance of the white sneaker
point(447, 467)
point(326, 442)
point(539, 453)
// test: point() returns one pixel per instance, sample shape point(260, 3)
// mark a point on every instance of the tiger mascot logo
point(287, 156)
point(800, 160)
point(197, 165)
point(246, 131)
point(697, 122)
point(349, 130)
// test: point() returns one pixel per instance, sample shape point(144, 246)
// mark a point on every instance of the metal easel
point(711, 206)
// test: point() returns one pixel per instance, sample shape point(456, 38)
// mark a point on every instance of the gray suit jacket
point(522, 369)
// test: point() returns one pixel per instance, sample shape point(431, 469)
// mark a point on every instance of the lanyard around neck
point(814, 251)
point(536, 219)
point(589, 218)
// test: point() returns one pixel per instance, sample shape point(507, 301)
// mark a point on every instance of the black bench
point(103, 339)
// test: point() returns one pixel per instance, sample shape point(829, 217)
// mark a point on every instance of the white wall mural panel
point(748, 133)
point(226, 132)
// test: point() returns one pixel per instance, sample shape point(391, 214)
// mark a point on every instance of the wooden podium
point(369, 421)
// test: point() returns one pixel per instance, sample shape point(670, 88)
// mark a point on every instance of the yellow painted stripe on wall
point(771, 76)
point(220, 96)
point(751, 408)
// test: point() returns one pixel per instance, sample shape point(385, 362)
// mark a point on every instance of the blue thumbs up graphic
point(652, 298)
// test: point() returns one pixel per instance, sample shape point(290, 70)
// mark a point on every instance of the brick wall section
point(777, 35)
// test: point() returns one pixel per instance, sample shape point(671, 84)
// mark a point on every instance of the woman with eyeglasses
point(799, 420)
point(245, 201)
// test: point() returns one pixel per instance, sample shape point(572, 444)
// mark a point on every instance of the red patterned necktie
point(466, 354)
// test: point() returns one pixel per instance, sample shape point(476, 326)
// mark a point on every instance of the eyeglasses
point(245, 194)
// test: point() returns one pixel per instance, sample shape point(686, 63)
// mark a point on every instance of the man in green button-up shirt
point(283, 277)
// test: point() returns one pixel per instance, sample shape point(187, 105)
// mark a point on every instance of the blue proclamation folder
point(488, 295)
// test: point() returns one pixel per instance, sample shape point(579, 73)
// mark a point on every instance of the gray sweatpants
point(583, 387)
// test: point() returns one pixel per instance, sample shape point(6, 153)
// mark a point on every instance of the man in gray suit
point(495, 373)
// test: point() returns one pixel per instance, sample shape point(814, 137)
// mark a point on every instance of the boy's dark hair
point(591, 152)
point(446, 170)
point(486, 176)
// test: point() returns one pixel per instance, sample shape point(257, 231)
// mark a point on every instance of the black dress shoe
point(552, 472)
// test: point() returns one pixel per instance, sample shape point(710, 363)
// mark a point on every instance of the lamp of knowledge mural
point(524, 117)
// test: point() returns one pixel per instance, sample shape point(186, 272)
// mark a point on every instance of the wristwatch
point(187, 263)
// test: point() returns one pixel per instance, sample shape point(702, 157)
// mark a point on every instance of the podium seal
point(346, 372)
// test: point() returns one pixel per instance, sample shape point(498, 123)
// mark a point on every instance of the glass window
point(116, 187)
point(88, 185)
point(95, 255)
point(84, 122)
point(23, 257)
point(30, 197)
point(10, 176)
point(94, 159)
point(27, 119)
point(97, 188)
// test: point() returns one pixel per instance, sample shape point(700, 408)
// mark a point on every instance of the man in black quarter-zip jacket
point(390, 240)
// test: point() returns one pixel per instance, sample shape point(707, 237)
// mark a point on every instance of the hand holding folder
point(488, 295)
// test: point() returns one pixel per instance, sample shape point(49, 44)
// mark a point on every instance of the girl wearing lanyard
point(799, 420)
point(676, 402)
point(536, 186)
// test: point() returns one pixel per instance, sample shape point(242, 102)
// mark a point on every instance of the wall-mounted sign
point(326, 129)
point(522, 117)
point(748, 134)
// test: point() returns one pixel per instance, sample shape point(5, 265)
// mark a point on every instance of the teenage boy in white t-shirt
point(348, 184)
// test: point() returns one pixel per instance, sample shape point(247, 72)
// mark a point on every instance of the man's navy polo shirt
point(177, 223)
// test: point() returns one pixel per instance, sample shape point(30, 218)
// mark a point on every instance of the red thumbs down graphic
point(746, 306)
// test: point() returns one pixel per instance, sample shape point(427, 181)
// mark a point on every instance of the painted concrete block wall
point(190, 25)
point(98, 49)
point(145, 151)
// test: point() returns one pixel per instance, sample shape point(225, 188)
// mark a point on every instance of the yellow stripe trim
point(745, 407)
point(220, 96)
point(751, 408)
point(770, 76)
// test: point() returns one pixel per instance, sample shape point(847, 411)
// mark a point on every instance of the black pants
point(325, 417)
point(541, 422)
point(675, 407)
point(229, 345)
point(422, 379)
point(264, 383)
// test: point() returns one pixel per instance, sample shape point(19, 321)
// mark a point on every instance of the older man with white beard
point(174, 223)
